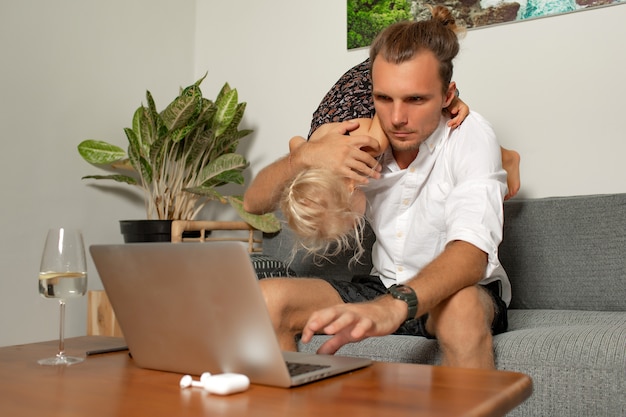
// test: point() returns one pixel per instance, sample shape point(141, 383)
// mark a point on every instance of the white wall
point(72, 70)
point(553, 89)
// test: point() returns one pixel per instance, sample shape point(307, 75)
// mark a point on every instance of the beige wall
point(553, 89)
point(72, 70)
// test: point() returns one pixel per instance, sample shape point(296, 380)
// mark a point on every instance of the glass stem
point(62, 330)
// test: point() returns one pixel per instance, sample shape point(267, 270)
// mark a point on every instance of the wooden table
point(112, 385)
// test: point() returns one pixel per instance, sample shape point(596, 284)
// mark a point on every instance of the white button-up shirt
point(453, 190)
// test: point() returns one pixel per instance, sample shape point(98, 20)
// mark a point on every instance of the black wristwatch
point(406, 294)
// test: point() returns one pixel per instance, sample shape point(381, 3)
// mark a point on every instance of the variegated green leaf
point(267, 223)
point(133, 142)
point(195, 146)
point(225, 89)
point(208, 192)
point(99, 152)
point(243, 133)
point(153, 117)
point(179, 134)
point(233, 176)
point(231, 139)
point(179, 111)
point(146, 170)
point(237, 117)
point(145, 128)
point(118, 178)
point(222, 164)
point(226, 112)
point(151, 106)
point(157, 149)
point(141, 165)
point(207, 111)
point(136, 119)
point(197, 83)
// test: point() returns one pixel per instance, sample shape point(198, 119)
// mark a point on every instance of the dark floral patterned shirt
point(349, 98)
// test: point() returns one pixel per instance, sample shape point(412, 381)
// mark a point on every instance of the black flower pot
point(152, 231)
point(146, 230)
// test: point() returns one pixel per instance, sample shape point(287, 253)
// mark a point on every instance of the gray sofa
point(566, 259)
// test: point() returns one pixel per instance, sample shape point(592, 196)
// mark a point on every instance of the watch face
point(404, 289)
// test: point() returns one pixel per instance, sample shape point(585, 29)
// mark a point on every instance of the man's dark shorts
point(368, 287)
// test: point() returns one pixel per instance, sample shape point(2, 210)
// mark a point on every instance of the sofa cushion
point(394, 348)
point(576, 359)
point(532, 319)
point(566, 252)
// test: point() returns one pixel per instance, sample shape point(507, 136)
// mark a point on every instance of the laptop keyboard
point(296, 369)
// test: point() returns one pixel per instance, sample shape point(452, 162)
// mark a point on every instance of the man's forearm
point(460, 265)
point(265, 190)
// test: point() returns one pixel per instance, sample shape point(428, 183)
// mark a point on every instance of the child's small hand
point(458, 112)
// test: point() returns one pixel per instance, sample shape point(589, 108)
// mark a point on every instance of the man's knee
point(465, 316)
point(290, 301)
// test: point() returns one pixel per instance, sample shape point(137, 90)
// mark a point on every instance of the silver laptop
point(197, 307)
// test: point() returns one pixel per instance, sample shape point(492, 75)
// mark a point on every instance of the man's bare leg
point(291, 301)
point(511, 164)
point(462, 324)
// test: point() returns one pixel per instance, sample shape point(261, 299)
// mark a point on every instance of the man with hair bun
point(434, 204)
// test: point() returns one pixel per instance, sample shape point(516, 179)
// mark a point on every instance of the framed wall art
point(368, 17)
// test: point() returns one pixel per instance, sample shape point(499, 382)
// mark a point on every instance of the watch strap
point(406, 294)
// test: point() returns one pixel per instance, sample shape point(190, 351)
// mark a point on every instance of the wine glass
point(63, 275)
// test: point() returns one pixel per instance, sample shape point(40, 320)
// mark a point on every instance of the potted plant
point(180, 156)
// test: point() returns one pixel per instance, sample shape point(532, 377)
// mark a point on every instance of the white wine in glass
point(63, 275)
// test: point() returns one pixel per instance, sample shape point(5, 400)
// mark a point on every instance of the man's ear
point(450, 94)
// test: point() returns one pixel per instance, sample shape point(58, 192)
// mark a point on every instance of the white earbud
point(222, 384)
point(187, 381)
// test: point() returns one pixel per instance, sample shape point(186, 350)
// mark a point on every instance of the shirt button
point(405, 202)
point(412, 170)
point(400, 269)
point(399, 234)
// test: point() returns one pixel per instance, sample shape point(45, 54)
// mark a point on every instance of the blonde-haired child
point(325, 211)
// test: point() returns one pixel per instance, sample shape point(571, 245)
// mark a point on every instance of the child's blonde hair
point(317, 207)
